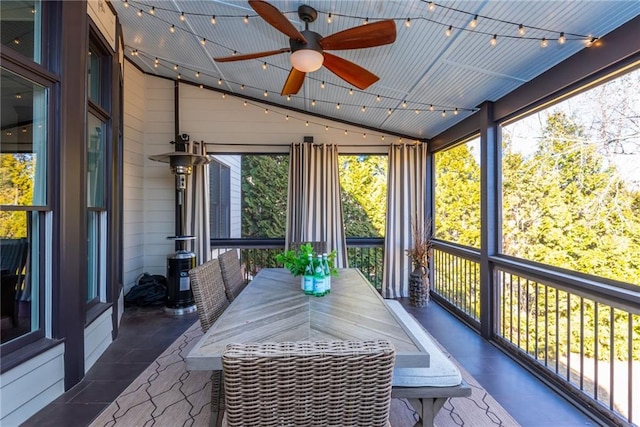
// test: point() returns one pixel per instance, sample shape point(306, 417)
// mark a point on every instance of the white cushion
point(441, 371)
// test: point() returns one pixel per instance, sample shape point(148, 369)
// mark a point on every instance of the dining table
point(273, 308)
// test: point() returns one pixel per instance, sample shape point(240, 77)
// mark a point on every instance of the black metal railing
point(580, 333)
point(365, 254)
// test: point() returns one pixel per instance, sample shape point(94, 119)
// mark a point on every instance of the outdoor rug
point(166, 394)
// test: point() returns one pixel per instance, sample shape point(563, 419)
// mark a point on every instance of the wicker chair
point(305, 383)
point(234, 283)
point(211, 301)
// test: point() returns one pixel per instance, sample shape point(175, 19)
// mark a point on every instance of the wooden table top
point(272, 308)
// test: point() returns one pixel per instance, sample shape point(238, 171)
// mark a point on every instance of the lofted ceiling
point(424, 67)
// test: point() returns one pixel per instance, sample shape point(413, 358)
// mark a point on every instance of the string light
point(474, 22)
point(197, 73)
point(407, 23)
point(350, 91)
point(494, 40)
point(33, 10)
point(224, 95)
point(287, 117)
point(264, 65)
point(126, 3)
point(432, 6)
point(444, 113)
point(366, 21)
point(404, 104)
point(329, 19)
point(364, 135)
point(417, 111)
point(338, 106)
point(241, 87)
point(431, 107)
point(182, 18)
point(140, 12)
point(245, 104)
point(245, 19)
point(152, 11)
point(322, 85)
point(521, 30)
point(364, 108)
point(213, 19)
point(382, 137)
point(345, 132)
point(201, 86)
point(455, 112)
point(326, 128)
point(288, 97)
point(389, 111)
point(219, 81)
point(203, 41)
point(155, 63)
point(172, 28)
point(307, 123)
point(378, 98)
point(179, 76)
point(266, 93)
point(448, 31)
point(562, 39)
point(313, 103)
point(544, 42)
point(266, 111)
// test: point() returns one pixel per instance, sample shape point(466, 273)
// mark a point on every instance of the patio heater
point(182, 160)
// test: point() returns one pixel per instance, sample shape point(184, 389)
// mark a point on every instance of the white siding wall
point(27, 388)
point(97, 337)
point(104, 19)
point(159, 182)
point(133, 175)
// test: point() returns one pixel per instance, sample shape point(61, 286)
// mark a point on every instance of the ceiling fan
point(308, 48)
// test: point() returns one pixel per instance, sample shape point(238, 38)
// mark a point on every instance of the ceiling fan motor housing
point(307, 13)
point(313, 42)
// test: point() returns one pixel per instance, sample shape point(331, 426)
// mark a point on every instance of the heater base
point(179, 311)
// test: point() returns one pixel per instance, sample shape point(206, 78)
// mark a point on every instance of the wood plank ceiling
point(424, 66)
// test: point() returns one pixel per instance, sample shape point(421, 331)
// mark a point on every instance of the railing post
point(490, 176)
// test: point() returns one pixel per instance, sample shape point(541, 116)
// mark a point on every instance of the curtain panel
point(406, 198)
point(197, 206)
point(314, 204)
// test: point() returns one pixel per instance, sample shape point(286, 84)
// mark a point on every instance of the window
point(571, 183)
point(21, 27)
point(23, 196)
point(98, 120)
point(220, 195)
point(457, 194)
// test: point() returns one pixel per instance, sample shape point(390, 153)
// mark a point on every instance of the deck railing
point(580, 333)
point(365, 254)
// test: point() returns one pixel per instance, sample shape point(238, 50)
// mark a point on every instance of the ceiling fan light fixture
point(307, 60)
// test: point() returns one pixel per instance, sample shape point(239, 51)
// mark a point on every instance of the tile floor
point(145, 333)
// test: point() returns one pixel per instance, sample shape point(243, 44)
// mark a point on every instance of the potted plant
point(420, 254)
point(296, 262)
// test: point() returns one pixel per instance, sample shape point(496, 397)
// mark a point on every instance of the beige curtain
point(405, 203)
point(198, 207)
point(314, 205)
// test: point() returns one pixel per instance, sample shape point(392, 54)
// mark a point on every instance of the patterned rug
point(166, 394)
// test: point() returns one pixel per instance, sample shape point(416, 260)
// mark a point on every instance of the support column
point(490, 202)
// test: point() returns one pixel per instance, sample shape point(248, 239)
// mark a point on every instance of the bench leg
point(427, 408)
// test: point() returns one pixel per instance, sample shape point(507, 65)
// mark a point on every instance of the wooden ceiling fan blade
point(276, 19)
point(251, 55)
point(369, 35)
point(349, 72)
point(293, 83)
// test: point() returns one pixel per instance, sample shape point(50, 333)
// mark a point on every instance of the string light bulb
point(444, 113)
point(448, 31)
point(213, 19)
point(155, 63)
point(544, 42)
point(245, 104)
point(203, 41)
point(389, 112)
point(266, 93)
point(266, 111)
point(431, 107)
point(432, 6)
point(307, 123)
point(562, 39)
point(407, 23)
point(455, 112)
point(474, 22)
point(201, 86)
point(126, 3)
point(140, 12)
point(378, 98)
point(364, 135)
point(404, 104)
point(264, 65)
point(313, 103)
point(197, 73)
point(417, 111)
point(182, 17)
point(152, 11)
point(494, 40)
point(366, 21)
point(326, 128)
point(286, 117)
point(241, 87)
point(288, 97)
point(245, 19)
point(322, 85)
point(175, 66)
point(219, 81)
point(329, 19)
point(338, 106)
point(345, 132)
point(224, 95)
point(521, 30)
point(364, 108)
point(179, 76)
point(350, 91)
point(172, 28)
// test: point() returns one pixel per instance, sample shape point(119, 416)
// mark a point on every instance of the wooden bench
point(426, 389)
